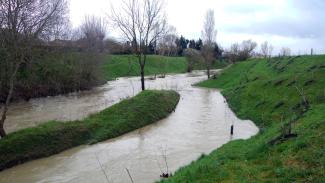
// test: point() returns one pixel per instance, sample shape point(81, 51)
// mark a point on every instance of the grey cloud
point(243, 8)
point(282, 27)
point(308, 21)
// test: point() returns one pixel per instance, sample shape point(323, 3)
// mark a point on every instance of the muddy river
point(200, 124)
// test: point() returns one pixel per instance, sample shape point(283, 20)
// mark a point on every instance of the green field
point(127, 65)
point(266, 92)
point(53, 137)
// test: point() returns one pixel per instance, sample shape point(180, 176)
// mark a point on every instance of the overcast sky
point(298, 24)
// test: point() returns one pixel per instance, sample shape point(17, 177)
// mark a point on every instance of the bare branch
point(142, 22)
point(209, 34)
point(266, 49)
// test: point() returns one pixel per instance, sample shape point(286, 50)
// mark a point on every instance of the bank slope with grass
point(276, 95)
point(53, 137)
point(127, 65)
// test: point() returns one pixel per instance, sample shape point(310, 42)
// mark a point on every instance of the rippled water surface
point(200, 124)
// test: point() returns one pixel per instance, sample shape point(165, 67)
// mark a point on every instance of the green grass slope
point(266, 92)
point(54, 137)
point(127, 65)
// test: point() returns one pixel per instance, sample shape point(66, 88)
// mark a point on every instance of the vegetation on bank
point(127, 65)
point(53, 137)
point(52, 72)
point(285, 97)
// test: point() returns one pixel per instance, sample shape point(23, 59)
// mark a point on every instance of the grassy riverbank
point(54, 137)
point(267, 93)
point(127, 65)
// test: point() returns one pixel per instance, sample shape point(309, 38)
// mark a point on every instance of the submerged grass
point(255, 89)
point(53, 137)
point(127, 65)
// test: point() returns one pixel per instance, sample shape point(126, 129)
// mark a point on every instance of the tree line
point(169, 45)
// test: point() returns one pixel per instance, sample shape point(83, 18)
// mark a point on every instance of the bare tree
point(209, 34)
point(270, 51)
point(233, 53)
point(241, 52)
point(285, 51)
point(246, 49)
point(24, 24)
point(266, 49)
point(93, 32)
point(62, 31)
point(167, 45)
point(142, 22)
point(192, 56)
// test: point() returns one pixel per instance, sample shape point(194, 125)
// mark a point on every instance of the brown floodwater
point(200, 124)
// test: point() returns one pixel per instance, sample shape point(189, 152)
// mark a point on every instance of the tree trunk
point(6, 105)
point(2, 131)
point(142, 64)
point(142, 78)
point(208, 72)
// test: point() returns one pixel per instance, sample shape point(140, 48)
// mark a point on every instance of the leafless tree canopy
point(235, 48)
point(167, 44)
point(94, 27)
point(142, 22)
point(192, 56)
point(233, 53)
point(32, 17)
point(241, 52)
point(209, 34)
point(93, 31)
point(285, 51)
point(248, 46)
point(266, 49)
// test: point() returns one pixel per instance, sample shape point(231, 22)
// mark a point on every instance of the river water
point(200, 124)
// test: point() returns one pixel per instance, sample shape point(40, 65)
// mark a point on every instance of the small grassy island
point(53, 137)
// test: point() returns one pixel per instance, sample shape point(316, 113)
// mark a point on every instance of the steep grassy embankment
point(54, 137)
point(127, 65)
point(266, 91)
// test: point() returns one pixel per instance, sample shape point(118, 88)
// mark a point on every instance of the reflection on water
point(200, 124)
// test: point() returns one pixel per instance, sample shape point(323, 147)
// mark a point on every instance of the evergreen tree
point(192, 44)
point(181, 45)
point(199, 44)
point(152, 48)
point(217, 51)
